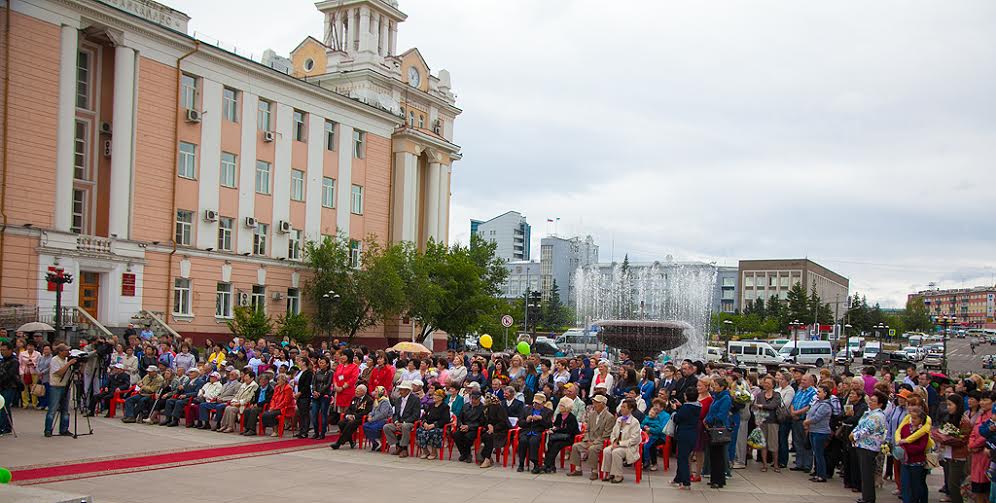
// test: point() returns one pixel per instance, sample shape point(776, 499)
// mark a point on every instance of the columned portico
point(404, 221)
point(431, 203)
point(121, 143)
point(68, 52)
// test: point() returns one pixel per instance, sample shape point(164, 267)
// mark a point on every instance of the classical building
point(762, 279)
point(175, 180)
point(510, 233)
point(973, 307)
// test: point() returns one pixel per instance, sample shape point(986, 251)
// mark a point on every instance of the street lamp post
point(331, 298)
point(945, 321)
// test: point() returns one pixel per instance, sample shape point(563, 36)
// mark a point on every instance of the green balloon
point(523, 347)
point(4, 476)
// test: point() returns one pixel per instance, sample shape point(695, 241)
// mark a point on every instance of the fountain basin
point(643, 338)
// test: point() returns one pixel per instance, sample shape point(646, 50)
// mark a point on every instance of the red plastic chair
point(117, 399)
point(511, 443)
point(666, 454)
point(638, 464)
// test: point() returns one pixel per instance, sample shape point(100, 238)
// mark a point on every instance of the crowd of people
point(707, 418)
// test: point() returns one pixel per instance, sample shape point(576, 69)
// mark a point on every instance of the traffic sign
point(892, 332)
point(506, 321)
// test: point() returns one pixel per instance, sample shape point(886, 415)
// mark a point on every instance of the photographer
point(60, 371)
point(98, 352)
point(118, 381)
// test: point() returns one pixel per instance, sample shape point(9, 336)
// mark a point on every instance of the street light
point(725, 322)
point(945, 321)
point(331, 297)
point(795, 332)
point(880, 327)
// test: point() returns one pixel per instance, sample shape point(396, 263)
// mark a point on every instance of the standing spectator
point(9, 380)
point(185, 360)
point(977, 446)
point(800, 407)
point(147, 333)
point(321, 397)
point(767, 405)
point(686, 435)
point(382, 374)
point(44, 362)
point(817, 424)
point(28, 370)
point(955, 447)
point(702, 390)
point(867, 437)
point(58, 401)
point(868, 376)
point(302, 396)
point(914, 471)
point(344, 382)
point(718, 416)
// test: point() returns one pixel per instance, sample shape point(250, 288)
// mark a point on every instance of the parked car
point(547, 347)
point(872, 349)
point(915, 353)
point(889, 358)
point(574, 341)
point(844, 357)
point(934, 360)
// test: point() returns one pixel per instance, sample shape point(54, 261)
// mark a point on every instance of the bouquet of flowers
point(951, 430)
point(742, 397)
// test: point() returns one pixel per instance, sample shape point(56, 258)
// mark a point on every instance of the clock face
point(413, 76)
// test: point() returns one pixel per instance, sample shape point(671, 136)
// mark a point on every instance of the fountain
point(648, 308)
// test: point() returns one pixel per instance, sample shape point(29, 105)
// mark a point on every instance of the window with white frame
point(225, 227)
point(84, 65)
point(293, 301)
point(329, 135)
point(187, 163)
point(297, 185)
point(230, 104)
point(228, 169)
point(411, 118)
point(355, 252)
point(300, 131)
point(359, 144)
point(184, 227)
point(181, 296)
point(188, 92)
point(259, 238)
point(328, 192)
point(356, 200)
point(258, 298)
point(78, 225)
point(223, 300)
point(263, 115)
point(262, 177)
point(81, 151)
point(294, 244)
point(421, 121)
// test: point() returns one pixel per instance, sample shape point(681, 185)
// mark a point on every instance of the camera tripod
point(80, 399)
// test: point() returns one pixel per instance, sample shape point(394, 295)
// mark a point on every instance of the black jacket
point(568, 425)
point(121, 382)
point(496, 416)
point(471, 416)
point(360, 406)
point(412, 410)
point(545, 422)
point(9, 373)
point(678, 393)
point(514, 410)
point(304, 384)
point(438, 415)
point(321, 382)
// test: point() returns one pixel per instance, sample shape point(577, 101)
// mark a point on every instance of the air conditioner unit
point(105, 127)
point(251, 222)
point(284, 227)
point(243, 299)
point(268, 136)
point(210, 216)
point(277, 296)
point(193, 116)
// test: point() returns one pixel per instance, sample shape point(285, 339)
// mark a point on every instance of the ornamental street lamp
point(945, 321)
point(729, 324)
point(330, 298)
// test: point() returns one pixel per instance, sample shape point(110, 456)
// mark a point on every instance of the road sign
point(506, 321)
point(892, 332)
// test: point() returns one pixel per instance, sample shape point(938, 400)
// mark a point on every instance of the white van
point(856, 346)
point(872, 349)
point(817, 353)
point(916, 340)
point(574, 341)
point(753, 353)
point(714, 354)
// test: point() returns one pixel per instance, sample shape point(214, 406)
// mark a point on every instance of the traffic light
point(533, 308)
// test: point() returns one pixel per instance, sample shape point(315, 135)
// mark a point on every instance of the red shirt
point(915, 451)
point(283, 399)
point(345, 377)
point(382, 376)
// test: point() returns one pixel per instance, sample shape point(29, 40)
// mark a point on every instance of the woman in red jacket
point(914, 470)
point(382, 374)
point(344, 382)
point(281, 404)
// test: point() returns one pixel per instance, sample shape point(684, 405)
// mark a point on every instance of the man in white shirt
point(60, 371)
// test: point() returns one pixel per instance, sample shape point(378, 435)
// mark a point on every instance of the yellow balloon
point(486, 341)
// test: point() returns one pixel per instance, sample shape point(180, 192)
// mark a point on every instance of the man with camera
point(60, 372)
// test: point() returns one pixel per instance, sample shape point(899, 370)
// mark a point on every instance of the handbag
point(669, 428)
point(38, 390)
point(932, 459)
point(899, 453)
point(720, 435)
point(559, 437)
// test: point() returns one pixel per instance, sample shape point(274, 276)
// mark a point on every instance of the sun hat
point(405, 385)
point(600, 399)
point(152, 368)
point(539, 398)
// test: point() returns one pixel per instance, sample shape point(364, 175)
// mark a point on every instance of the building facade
point(724, 298)
point(762, 279)
point(973, 307)
point(559, 259)
point(176, 180)
point(523, 277)
point(509, 231)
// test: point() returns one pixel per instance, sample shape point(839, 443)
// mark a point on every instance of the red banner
point(127, 285)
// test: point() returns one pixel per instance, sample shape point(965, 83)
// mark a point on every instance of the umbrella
point(36, 326)
point(411, 347)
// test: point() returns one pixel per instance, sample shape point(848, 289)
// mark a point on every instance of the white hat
point(152, 368)
point(565, 402)
point(214, 374)
point(118, 365)
point(600, 399)
point(193, 369)
point(417, 382)
point(475, 384)
point(405, 385)
point(601, 385)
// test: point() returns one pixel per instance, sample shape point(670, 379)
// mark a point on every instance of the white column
point(281, 179)
point(364, 29)
point(404, 221)
point(313, 196)
point(209, 172)
point(350, 29)
point(393, 42)
point(119, 211)
point(247, 172)
point(345, 179)
point(431, 204)
point(327, 40)
point(64, 135)
point(382, 44)
point(443, 203)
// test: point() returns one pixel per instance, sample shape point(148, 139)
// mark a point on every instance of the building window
point(263, 113)
point(784, 281)
point(411, 118)
point(84, 60)
point(262, 177)
point(356, 200)
point(79, 212)
point(355, 252)
point(187, 167)
point(772, 281)
point(258, 298)
point(184, 226)
point(188, 92)
point(81, 151)
point(223, 301)
point(181, 296)
point(230, 104)
point(421, 121)
point(328, 192)
point(359, 141)
point(227, 174)
point(225, 227)
point(294, 245)
point(329, 135)
point(293, 301)
point(749, 280)
point(259, 239)
point(297, 185)
point(728, 282)
point(300, 131)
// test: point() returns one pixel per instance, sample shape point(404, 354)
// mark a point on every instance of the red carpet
point(158, 461)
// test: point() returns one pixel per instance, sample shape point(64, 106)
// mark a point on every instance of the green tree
point(249, 323)
point(555, 314)
point(774, 309)
point(916, 316)
point(798, 304)
point(295, 327)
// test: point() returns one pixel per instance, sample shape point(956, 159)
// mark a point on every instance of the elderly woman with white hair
point(603, 377)
point(565, 428)
point(351, 419)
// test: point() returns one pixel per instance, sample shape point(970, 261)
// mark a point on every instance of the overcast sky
point(859, 134)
